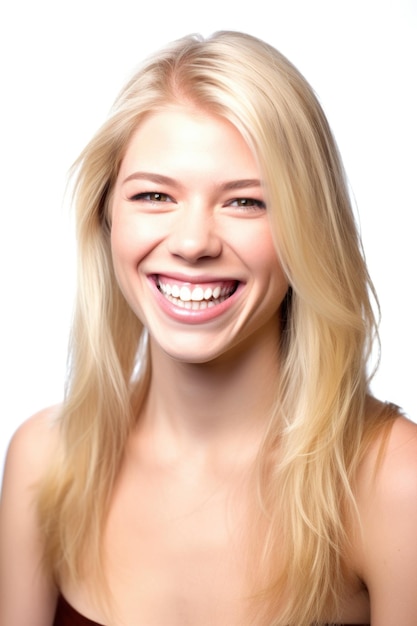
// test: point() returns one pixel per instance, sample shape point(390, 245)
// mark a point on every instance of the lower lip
point(190, 316)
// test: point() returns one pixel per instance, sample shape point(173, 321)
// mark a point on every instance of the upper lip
point(197, 278)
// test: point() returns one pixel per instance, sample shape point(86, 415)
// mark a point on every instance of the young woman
point(218, 459)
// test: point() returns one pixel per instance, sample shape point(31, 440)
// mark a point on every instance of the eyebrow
point(160, 179)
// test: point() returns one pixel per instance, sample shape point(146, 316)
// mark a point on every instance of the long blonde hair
point(315, 438)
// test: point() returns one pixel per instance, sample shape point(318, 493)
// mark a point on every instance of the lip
point(194, 279)
point(191, 316)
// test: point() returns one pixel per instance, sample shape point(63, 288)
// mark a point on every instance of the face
point(191, 242)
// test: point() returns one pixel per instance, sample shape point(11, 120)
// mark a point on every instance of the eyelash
point(247, 203)
point(156, 197)
point(152, 196)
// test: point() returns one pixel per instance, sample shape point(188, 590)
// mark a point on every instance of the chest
point(175, 545)
point(176, 552)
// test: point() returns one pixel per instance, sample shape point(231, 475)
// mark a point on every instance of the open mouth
point(196, 297)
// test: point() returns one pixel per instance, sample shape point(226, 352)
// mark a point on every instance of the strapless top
point(66, 615)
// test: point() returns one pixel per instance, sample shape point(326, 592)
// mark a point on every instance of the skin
point(177, 518)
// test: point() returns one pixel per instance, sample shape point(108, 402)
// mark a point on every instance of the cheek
point(127, 249)
point(130, 240)
point(262, 255)
point(268, 272)
point(122, 241)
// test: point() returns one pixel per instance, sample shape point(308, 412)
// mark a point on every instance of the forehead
point(182, 136)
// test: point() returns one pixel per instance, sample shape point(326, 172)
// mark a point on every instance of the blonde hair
point(315, 437)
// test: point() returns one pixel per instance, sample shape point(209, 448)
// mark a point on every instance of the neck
point(206, 406)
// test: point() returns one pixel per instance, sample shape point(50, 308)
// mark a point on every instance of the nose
point(194, 235)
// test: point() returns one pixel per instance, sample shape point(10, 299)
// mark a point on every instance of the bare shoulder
point(401, 454)
point(387, 502)
point(387, 477)
point(30, 445)
point(390, 465)
point(26, 592)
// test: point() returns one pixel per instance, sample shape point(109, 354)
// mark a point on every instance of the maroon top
point(66, 615)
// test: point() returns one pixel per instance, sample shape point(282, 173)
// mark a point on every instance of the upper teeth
point(196, 294)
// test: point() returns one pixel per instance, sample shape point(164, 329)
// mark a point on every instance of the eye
point(151, 196)
point(249, 204)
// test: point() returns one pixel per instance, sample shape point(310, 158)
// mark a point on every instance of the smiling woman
point(195, 261)
point(218, 458)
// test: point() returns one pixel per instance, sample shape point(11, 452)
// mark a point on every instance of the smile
point(196, 297)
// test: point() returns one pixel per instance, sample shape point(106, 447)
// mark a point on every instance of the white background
point(62, 64)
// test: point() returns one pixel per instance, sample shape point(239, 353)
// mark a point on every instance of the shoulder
point(389, 469)
point(26, 592)
point(387, 503)
point(33, 440)
point(27, 459)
